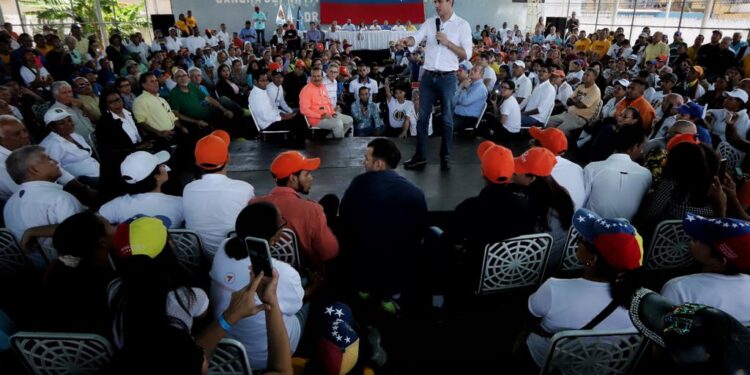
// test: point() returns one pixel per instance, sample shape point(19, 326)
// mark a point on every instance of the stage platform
point(342, 160)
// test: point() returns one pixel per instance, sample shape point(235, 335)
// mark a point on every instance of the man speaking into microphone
point(448, 43)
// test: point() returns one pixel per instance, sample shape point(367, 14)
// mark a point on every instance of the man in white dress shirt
point(332, 83)
point(39, 200)
point(224, 36)
point(349, 26)
point(69, 148)
point(615, 186)
point(538, 107)
point(268, 117)
point(275, 91)
point(212, 203)
point(194, 42)
point(173, 42)
point(446, 48)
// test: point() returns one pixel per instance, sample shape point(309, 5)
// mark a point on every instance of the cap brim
point(585, 227)
point(483, 147)
point(162, 156)
point(647, 311)
point(535, 132)
point(311, 164)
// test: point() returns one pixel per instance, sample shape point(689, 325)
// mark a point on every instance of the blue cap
point(691, 109)
point(83, 71)
point(157, 72)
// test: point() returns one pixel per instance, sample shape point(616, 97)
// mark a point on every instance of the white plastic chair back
point(734, 156)
point(585, 352)
point(515, 263)
point(12, 260)
point(229, 358)
point(669, 247)
point(569, 261)
point(264, 133)
point(286, 248)
point(188, 248)
point(46, 353)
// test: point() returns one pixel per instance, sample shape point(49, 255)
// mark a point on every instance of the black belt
point(439, 73)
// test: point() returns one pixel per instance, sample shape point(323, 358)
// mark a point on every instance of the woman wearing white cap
point(68, 148)
point(144, 174)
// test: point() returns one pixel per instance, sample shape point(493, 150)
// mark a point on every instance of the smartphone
point(260, 255)
point(722, 168)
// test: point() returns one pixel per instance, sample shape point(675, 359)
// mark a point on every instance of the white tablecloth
point(369, 39)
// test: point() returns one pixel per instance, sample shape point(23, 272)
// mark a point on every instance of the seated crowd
point(98, 147)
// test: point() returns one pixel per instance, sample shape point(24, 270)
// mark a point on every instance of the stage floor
point(341, 161)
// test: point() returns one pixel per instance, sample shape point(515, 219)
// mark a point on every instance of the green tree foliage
point(126, 18)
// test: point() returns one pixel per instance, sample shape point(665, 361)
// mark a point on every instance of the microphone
point(437, 26)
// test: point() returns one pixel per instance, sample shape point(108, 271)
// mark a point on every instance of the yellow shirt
point(182, 26)
point(411, 28)
point(44, 50)
point(191, 22)
point(582, 45)
point(692, 52)
point(653, 51)
point(495, 67)
point(153, 111)
point(91, 105)
point(600, 47)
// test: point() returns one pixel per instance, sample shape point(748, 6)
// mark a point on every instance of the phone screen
point(260, 255)
point(722, 168)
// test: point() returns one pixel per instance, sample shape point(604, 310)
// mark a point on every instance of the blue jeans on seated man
point(367, 131)
point(527, 121)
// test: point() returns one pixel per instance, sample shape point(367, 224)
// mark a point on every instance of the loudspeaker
point(162, 22)
point(558, 23)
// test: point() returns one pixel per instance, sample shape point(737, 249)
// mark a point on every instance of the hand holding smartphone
point(260, 255)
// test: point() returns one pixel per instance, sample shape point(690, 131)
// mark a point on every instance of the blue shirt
point(313, 36)
point(248, 35)
point(537, 39)
point(736, 46)
point(365, 124)
point(469, 101)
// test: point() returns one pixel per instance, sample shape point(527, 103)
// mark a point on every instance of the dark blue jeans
point(431, 88)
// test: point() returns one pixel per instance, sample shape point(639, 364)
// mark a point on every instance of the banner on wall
point(369, 10)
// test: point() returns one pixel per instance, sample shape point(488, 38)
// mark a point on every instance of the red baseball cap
point(290, 162)
point(682, 138)
point(300, 64)
point(223, 135)
point(497, 162)
point(552, 139)
point(537, 161)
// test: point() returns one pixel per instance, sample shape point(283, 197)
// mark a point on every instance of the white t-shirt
point(211, 206)
point(489, 74)
point(29, 75)
point(511, 109)
point(523, 87)
point(571, 75)
point(570, 176)
point(615, 186)
point(76, 160)
point(565, 304)
point(398, 112)
point(355, 84)
point(123, 208)
point(728, 293)
point(229, 275)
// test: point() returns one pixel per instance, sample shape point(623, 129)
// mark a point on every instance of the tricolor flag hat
point(144, 235)
point(338, 346)
point(731, 237)
point(616, 240)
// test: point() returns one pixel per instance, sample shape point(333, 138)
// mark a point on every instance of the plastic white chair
point(479, 120)
point(46, 353)
point(188, 248)
point(588, 352)
point(229, 358)
point(726, 151)
point(263, 133)
point(515, 263)
point(13, 262)
point(287, 248)
point(569, 261)
point(668, 248)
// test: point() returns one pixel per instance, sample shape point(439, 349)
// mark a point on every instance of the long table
point(369, 40)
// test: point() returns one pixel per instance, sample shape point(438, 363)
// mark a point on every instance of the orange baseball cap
point(537, 161)
point(290, 162)
point(497, 162)
point(552, 139)
point(300, 64)
point(211, 152)
point(274, 66)
point(223, 135)
point(699, 69)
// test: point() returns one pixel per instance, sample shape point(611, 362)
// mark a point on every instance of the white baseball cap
point(465, 65)
point(139, 165)
point(519, 63)
point(737, 93)
point(623, 82)
point(55, 114)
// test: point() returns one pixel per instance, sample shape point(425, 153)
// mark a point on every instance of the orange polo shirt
point(308, 221)
point(644, 108)
point(314, 103)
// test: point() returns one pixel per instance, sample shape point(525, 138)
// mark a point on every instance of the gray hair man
point(62, 92)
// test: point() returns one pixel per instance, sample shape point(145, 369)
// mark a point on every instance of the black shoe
point(445, 163)
point(415, 163)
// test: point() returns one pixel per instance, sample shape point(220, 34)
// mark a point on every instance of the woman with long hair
point(551, 205)
point(225, 86)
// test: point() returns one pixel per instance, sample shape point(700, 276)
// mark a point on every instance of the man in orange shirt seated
point(634, 98)
point(293, 175)
point(316, 106)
